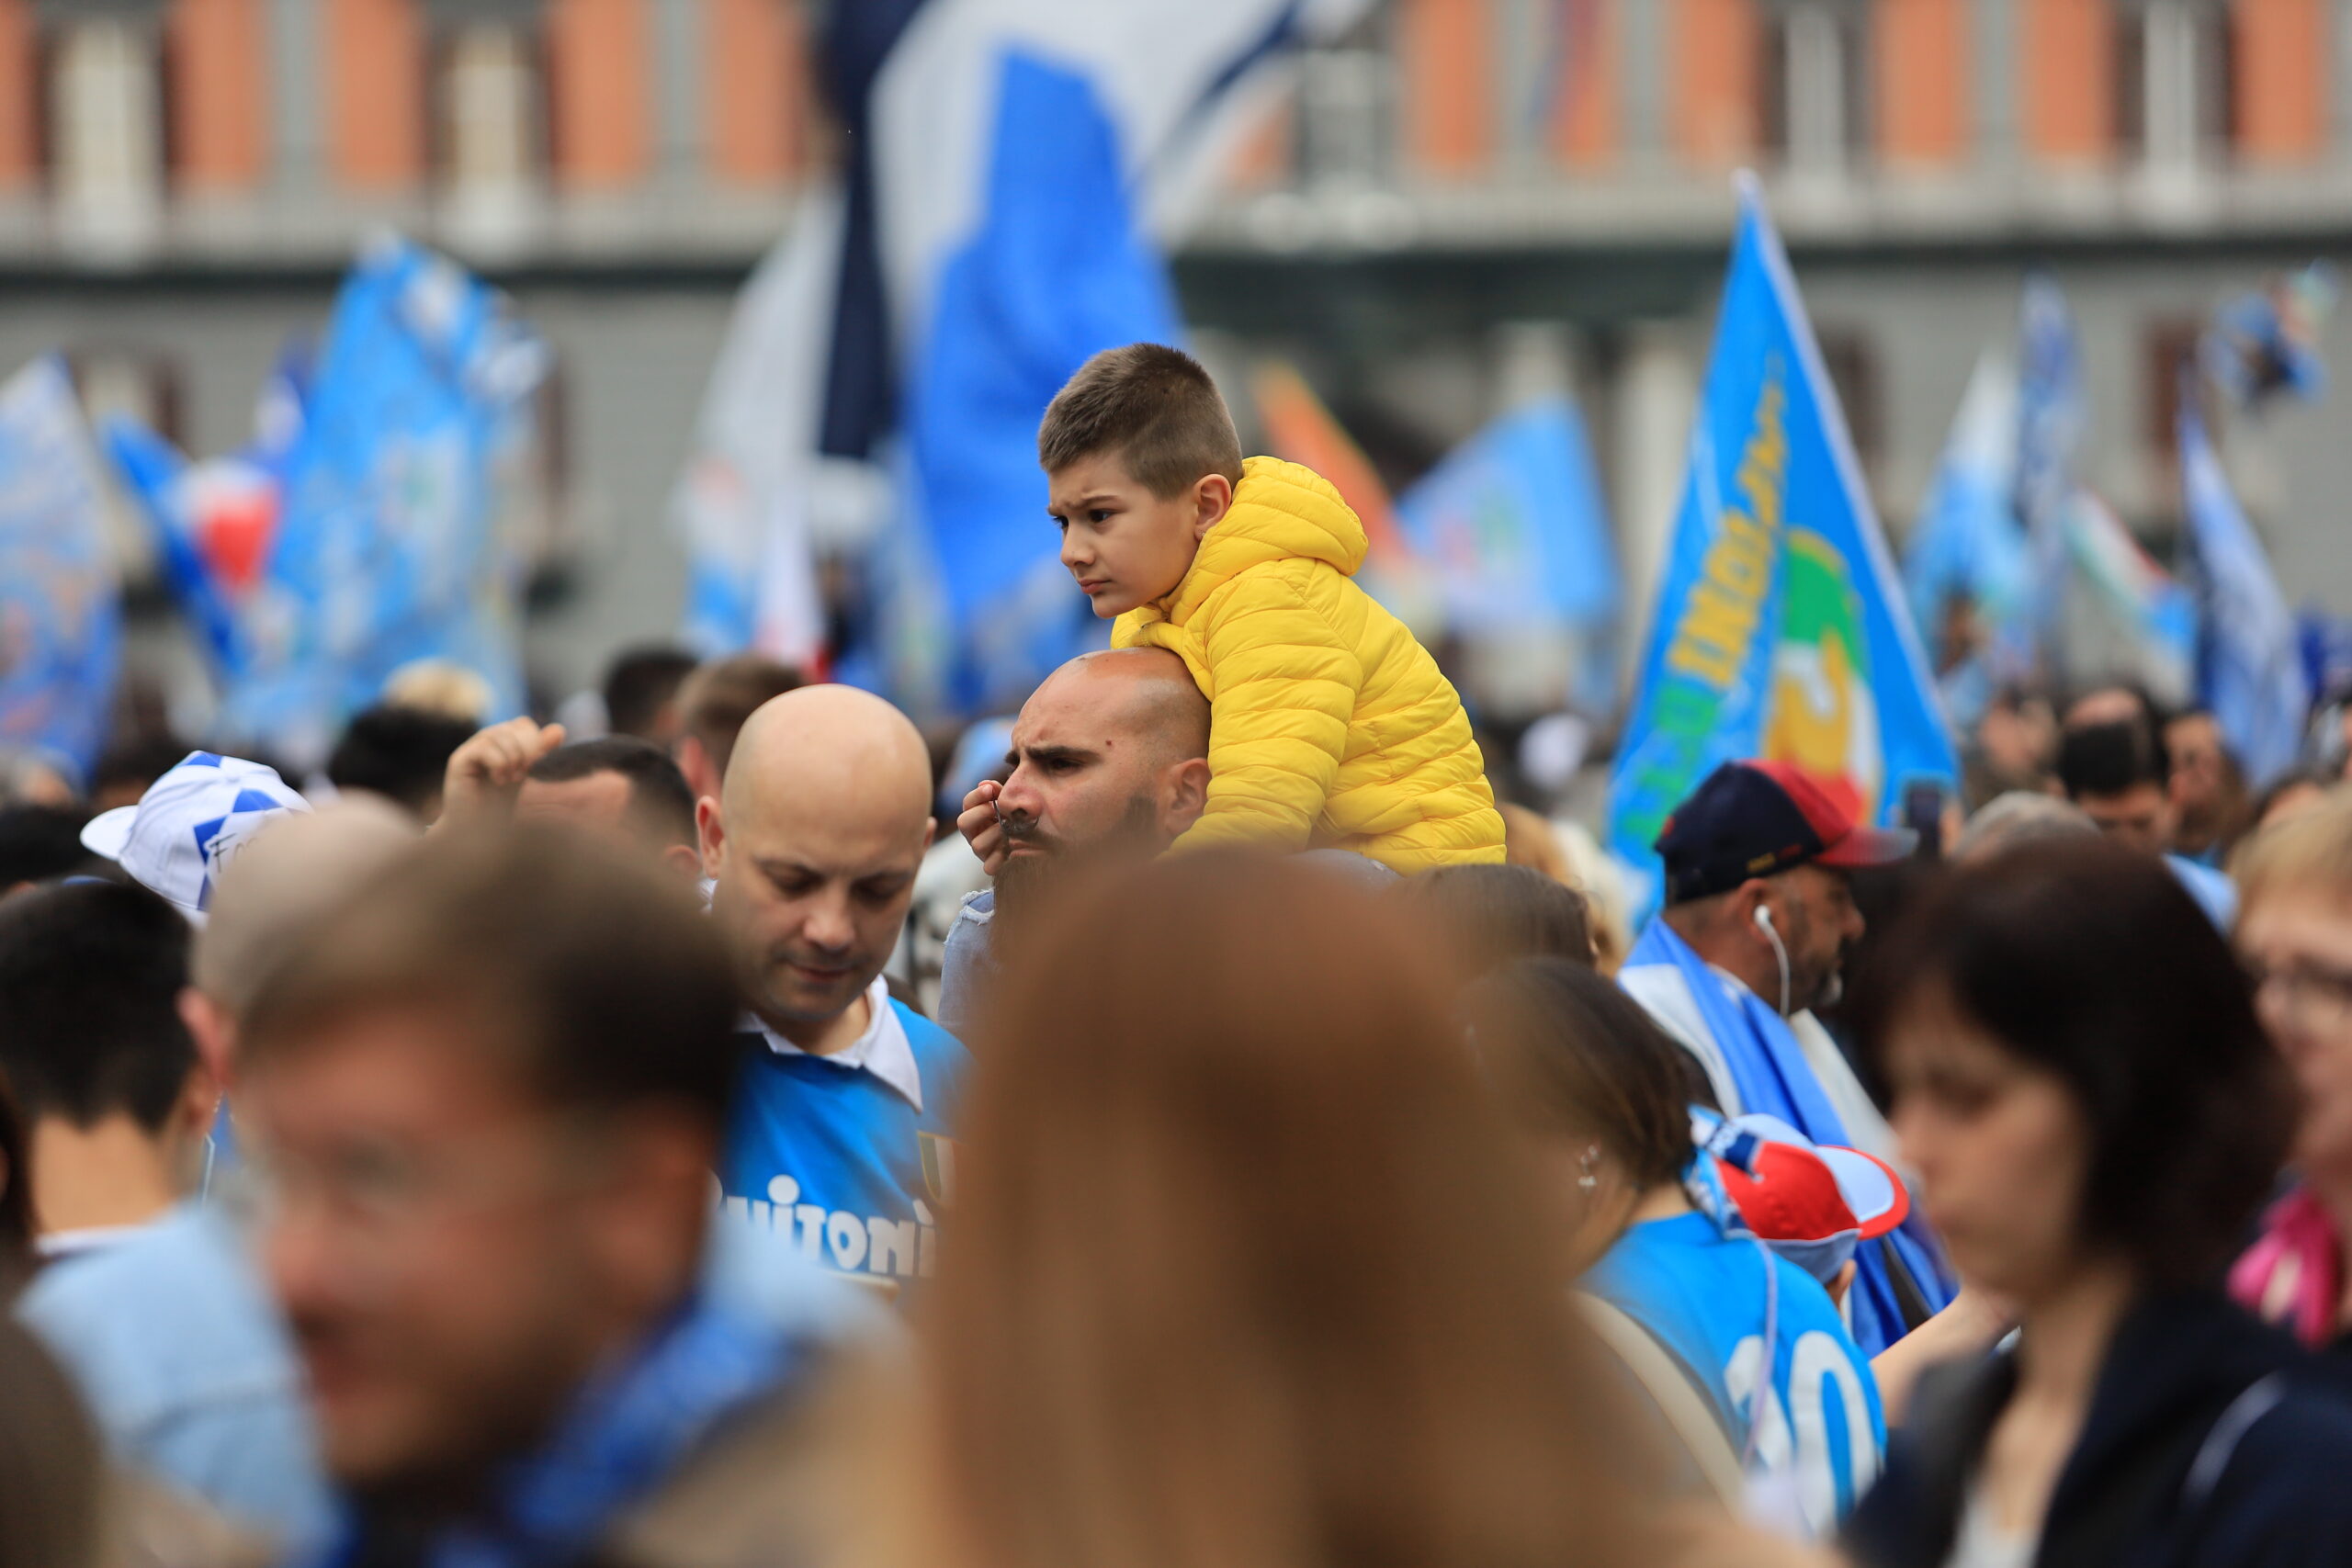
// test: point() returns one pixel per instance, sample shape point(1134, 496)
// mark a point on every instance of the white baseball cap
point(188, 825)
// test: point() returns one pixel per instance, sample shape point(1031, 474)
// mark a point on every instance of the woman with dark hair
point(2093, 1114)
point(1483, 917)
point(1607, 1098)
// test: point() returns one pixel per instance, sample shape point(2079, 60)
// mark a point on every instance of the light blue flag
point(386, 550)
point(2050, 416)
point(1969, 550)
point(1780, 629)
point(1514, 525)
point(59, 603)
point(2249, 657)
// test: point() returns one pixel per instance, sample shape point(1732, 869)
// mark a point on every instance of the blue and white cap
point(189, 824)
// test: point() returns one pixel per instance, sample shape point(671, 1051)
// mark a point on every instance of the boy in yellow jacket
point(1328, 724)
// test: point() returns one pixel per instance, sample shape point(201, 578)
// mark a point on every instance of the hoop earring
point(1586, 1180)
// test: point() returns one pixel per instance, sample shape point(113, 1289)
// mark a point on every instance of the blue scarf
point(1769, 1073)
point(624, 1435)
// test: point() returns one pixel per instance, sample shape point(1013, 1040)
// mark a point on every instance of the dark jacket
point(2159, 1477)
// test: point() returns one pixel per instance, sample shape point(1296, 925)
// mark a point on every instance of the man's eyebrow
point(1057, 754)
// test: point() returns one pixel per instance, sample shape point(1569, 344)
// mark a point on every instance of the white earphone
point(1780, 953)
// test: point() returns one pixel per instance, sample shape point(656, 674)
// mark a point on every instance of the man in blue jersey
point(839, 1136)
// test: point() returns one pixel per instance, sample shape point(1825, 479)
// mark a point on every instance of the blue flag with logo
point(59, 621)
point(1512, 525)
point(1967, 568)
point(2249, 651)
point(1780, 629)
point(386, 549)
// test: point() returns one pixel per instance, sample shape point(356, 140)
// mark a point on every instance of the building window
point(102, 125)
point(1852, 364)
point(489, 128)
point(2169, 346)
point(1814, 98)
point(2174, 92)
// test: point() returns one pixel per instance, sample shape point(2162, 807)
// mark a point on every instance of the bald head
point(292, 873)
point(1145, 693)
point(813, 844)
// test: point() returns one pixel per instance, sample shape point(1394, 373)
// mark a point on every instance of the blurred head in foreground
point(1244, 1274)
point(485, 1098)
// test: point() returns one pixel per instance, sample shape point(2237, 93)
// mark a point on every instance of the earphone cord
point(1780, 954)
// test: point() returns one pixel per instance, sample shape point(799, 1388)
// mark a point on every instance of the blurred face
point(1125, 546)
point(598, 803)
point(1999, 1146)
point(811, 900)
point(438, 1242)
point(2138, 818)
point(1814, 911)
point(2195, 743)
point(1083, 772)
point(2298, 942)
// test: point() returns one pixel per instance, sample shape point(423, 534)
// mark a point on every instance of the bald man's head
point(813, 844)
point(1111, 746)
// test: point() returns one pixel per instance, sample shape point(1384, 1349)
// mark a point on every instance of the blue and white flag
point(2249, 654)
point(386, 551)
point(1780, 629)
point(1014, 168)
point(2051, 417)
point(1966, 567)
point(1514, 527)
point(59, 601)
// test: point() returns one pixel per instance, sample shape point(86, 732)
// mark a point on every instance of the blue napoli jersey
point(841, 1164)
point(1704, 1296)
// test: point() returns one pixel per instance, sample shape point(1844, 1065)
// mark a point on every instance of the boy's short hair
point(1151, 405)
point(718, 699)
point(90, 977)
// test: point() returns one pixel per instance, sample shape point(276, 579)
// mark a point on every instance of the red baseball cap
point(1753, 819)
point(1816, 1192)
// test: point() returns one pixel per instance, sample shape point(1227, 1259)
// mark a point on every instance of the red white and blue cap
point(189, 824)
point(1813, 1204)
point(1756, 818)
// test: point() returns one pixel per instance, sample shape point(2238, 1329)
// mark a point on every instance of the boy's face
point(1125, 546)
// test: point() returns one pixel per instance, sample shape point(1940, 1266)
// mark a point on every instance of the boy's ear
point(1212, 499)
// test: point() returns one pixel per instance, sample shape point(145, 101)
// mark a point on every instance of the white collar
point(883, 1050)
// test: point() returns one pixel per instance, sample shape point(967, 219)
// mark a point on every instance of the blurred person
point(1606, 1097)
point(2119, 774)
point(1608, 900)
point(442, 688)
point(640, 693)
point(2013, 747)
point(483, 777)
point(2021, 816)
point(621, 786)
point(1274, 1210)
point(2291, 794)
point(2209, 789)
point(182, 834)
point(1528, 840)
point(1482, 917)
point(1759, 921)
point(1333, 726)
point(37, 777)
point(114, 1098)
point(125, 769)
point(41, 843)
point(17, 1254)
point(847, 1096)
point(2295, 935)
point(488, 1097)
point(400, 754)
point(713, 705)
point(52, 1471)
point(2082, 1084)
point(1109, 754)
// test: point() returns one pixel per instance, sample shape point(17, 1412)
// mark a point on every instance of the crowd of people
point(1211, 1134)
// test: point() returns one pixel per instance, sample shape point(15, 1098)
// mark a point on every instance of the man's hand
point(981, 827)
point(485, 772)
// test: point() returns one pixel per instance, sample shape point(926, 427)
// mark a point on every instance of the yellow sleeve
point(1287, 685)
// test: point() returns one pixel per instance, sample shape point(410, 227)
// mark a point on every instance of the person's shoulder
point(931, 1041)
point(2276, 1494)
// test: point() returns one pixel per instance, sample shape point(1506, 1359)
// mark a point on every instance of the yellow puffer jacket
point(1328, 724)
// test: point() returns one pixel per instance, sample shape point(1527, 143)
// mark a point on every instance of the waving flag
point(2126, 615)
point(386, 551)
point(2249, 652)
point(1780, 629)
point(1512, 525)
point(1967, 570)
point(1013, 169)
point(60, 625)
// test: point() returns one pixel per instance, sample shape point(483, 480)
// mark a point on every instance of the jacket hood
point(1281, 512)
